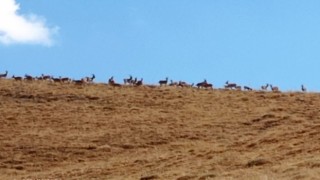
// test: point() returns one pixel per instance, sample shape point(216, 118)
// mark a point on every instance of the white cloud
point(23, 29)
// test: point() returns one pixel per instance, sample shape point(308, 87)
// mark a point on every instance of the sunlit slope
point(67, 131)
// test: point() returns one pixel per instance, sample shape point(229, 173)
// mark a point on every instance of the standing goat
point(56, 79)
point(231, 85)
point(128, 81)
point(303, 89)
point(4, 75)
point(265, 87)
point(208, 85)
point(45, 77)
point(89, 79)
point(111, 81)
point(29, 77)
point(17, 78)
point(274, 88)
point(78, 82)
point(201, 84)
point(204, 84)
point(139, 83)
point(163, 82)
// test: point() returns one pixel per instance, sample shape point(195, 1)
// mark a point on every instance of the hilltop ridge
point(67, 131)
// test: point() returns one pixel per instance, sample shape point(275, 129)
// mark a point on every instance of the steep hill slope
point(66, 131)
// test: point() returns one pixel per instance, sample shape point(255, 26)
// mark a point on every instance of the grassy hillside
point(52, 130)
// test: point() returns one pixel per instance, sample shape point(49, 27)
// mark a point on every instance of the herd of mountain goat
point(135, 82)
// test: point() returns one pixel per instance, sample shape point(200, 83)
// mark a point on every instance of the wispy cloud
point(16, 28)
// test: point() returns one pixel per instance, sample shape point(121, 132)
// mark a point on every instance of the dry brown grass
point(82, 132)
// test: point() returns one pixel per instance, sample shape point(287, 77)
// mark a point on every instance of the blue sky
point(250, 42)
